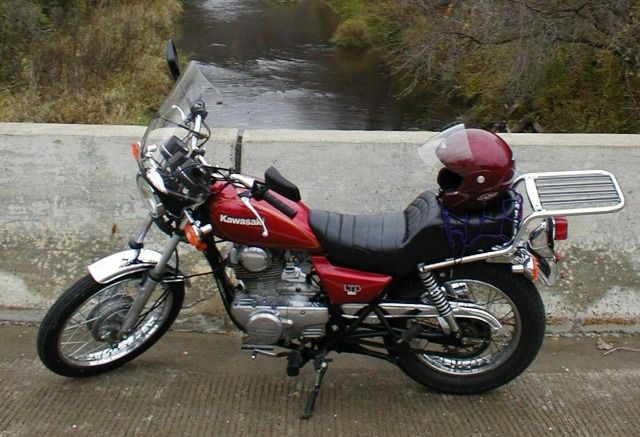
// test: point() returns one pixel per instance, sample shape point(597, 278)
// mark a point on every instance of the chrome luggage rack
point(553, 194)
point(570, 193)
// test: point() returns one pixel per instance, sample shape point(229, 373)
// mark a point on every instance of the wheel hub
point(106, 318)
point(476, 337)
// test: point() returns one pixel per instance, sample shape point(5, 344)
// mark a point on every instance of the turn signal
point(529, 268)
point(135, 150)
point(560, 228)
point(535, 270)
point(193, 237)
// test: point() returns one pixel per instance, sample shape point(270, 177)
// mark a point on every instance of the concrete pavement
point(192, 384)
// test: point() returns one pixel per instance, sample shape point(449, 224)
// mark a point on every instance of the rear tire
point(77, 336)
point(462, 372)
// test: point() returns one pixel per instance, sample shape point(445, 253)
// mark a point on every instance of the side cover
point(344, 285)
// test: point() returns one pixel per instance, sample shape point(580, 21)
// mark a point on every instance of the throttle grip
point(279, 205)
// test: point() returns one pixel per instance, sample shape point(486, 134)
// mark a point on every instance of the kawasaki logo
point(239, 221)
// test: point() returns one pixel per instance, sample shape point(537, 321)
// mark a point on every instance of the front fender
point(123, 263)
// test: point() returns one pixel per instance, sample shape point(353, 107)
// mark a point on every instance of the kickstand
point(321, 364)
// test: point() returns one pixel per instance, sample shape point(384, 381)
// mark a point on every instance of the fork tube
point(144, 230)
point(150, 283)
point(137, 242)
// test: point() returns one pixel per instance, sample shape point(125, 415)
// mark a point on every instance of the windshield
point(450, 145)
point(173, 117)
point(171, 154)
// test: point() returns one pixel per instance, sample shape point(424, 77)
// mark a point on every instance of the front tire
point(77, 336)
point(496, 358)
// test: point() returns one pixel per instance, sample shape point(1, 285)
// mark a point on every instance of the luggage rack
point(553, 194)
point(570, 193)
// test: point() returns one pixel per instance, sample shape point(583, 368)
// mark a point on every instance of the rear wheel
point(483, 359)
point(78, 335)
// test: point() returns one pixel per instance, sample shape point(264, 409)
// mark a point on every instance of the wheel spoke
point(86, 322)
point(485, 350)
point(100, 316)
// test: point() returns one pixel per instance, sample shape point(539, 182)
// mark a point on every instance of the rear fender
point(123, 263)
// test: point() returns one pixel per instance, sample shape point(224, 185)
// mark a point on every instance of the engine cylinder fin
point(260, 282)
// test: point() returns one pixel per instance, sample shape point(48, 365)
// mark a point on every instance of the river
point(275, 67)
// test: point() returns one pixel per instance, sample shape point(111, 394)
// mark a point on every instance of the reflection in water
point(275, 68)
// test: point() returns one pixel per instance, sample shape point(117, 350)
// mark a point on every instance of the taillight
point(560, 228)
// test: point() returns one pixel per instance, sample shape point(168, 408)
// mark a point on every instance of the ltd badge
point(352, 289)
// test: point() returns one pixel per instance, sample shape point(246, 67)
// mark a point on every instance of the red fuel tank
point(233, 221)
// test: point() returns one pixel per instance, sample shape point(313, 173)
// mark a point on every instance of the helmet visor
point(449, 147)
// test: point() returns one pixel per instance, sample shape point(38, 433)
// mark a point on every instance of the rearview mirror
point(172, 59)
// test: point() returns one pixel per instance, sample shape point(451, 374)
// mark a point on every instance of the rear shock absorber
point(435, 295)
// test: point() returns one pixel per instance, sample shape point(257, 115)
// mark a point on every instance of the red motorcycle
point(444, 289)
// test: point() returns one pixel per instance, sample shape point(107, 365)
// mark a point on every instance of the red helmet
point(479, 169)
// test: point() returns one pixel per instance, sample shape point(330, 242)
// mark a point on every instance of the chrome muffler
point(395, 310)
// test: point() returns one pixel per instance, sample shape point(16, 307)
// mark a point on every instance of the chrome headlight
point(150, 198)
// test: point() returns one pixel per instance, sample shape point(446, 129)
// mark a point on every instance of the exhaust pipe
point(401, 310)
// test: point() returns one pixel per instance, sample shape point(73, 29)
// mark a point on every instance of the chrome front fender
point(123, 263)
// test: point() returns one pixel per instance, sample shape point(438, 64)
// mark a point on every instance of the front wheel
point(483, 360)
point(78, 335)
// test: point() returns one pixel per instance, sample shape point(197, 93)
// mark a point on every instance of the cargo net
point(473, 232)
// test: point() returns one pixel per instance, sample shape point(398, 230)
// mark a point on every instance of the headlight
point(155, 179)
point(151, 200)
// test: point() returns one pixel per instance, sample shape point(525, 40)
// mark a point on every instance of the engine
point(277, 298)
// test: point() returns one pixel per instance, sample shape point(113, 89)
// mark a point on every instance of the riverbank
point(84, 61)
point(516, 68)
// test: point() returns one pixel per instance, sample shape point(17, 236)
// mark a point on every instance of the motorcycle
point(444, 290)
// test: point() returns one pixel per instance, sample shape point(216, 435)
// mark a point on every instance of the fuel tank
point(233, 221)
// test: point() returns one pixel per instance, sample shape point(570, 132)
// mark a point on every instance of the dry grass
point(100, 63)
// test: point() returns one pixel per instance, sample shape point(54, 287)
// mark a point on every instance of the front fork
point(153, 278)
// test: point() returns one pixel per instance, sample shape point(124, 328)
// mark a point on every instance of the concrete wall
point(69, 197)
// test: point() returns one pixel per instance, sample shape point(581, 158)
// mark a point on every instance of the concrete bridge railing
point(68, 197)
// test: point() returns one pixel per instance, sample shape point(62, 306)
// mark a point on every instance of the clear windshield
point(171, 154)
point(171, 120)
point(450, 145)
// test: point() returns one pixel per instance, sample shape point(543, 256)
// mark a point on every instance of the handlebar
point(279, 205)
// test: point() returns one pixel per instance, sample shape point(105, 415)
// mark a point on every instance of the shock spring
point(435, 295)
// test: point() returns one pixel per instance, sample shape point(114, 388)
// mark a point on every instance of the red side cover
point(347, 285)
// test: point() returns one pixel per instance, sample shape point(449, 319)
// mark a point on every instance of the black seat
point(396, 243)
point(378, 243)
point(366, 242)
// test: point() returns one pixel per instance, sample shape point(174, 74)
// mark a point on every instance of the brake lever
point(247, 203)
point(182, 114)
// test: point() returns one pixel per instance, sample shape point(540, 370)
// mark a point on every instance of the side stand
point(320, 364)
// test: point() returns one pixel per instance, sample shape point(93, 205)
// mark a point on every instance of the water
point(275, 67)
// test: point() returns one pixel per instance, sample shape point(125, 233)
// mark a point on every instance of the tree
point(527, 59)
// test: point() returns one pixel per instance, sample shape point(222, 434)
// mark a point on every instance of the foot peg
point(294, 362)
point(412, 332)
